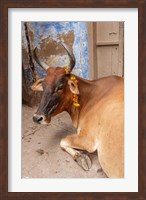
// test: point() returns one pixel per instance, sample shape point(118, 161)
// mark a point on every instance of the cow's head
point(58, 89)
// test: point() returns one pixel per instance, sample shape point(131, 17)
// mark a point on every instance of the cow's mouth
point(44, 119)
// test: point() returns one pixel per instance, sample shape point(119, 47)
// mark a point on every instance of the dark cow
point(96, 109)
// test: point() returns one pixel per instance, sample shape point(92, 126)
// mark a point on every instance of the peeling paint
point(45, 36)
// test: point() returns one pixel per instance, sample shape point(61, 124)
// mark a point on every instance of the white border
point(130, 182)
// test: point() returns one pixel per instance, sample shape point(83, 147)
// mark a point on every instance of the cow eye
point(60, 87)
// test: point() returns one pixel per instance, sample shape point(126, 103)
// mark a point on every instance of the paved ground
point(42, 156)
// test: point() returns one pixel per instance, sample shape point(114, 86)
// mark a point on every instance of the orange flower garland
point(75, 96)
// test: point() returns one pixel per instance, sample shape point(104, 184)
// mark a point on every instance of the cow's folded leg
point(70, 145)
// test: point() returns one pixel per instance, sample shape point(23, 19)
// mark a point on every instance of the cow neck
point(84, 89)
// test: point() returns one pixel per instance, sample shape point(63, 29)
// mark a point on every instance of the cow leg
point(70, 144)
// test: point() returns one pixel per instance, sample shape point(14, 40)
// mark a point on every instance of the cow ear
point(37, 86)
point(73, 87)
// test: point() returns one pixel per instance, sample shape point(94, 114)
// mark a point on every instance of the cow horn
point(42, 64)
point(71, 56)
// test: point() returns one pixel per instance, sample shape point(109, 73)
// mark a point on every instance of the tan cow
point(96, 109)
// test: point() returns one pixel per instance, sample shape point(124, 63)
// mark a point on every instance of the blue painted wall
point(80, 47)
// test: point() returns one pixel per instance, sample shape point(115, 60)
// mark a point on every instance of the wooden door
point(106, 49)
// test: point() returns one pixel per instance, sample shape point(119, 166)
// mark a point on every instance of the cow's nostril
point(40, 119)
point(37, 118)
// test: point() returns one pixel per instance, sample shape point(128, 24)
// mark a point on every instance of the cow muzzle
point(41, 119)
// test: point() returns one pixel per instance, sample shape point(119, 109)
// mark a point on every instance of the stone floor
point(42, 156)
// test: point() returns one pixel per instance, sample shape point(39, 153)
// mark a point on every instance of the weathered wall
point(72, 33)
point(46, 37)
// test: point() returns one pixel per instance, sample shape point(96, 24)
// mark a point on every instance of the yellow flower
point(76, 104)
point(66, 70)
point(73, 78)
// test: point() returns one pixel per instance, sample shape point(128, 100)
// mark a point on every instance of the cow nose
point(37, 118)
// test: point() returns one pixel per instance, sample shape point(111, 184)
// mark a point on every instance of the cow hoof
point(84, 161)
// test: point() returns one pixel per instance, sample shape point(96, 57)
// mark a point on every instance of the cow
point(96, 108)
